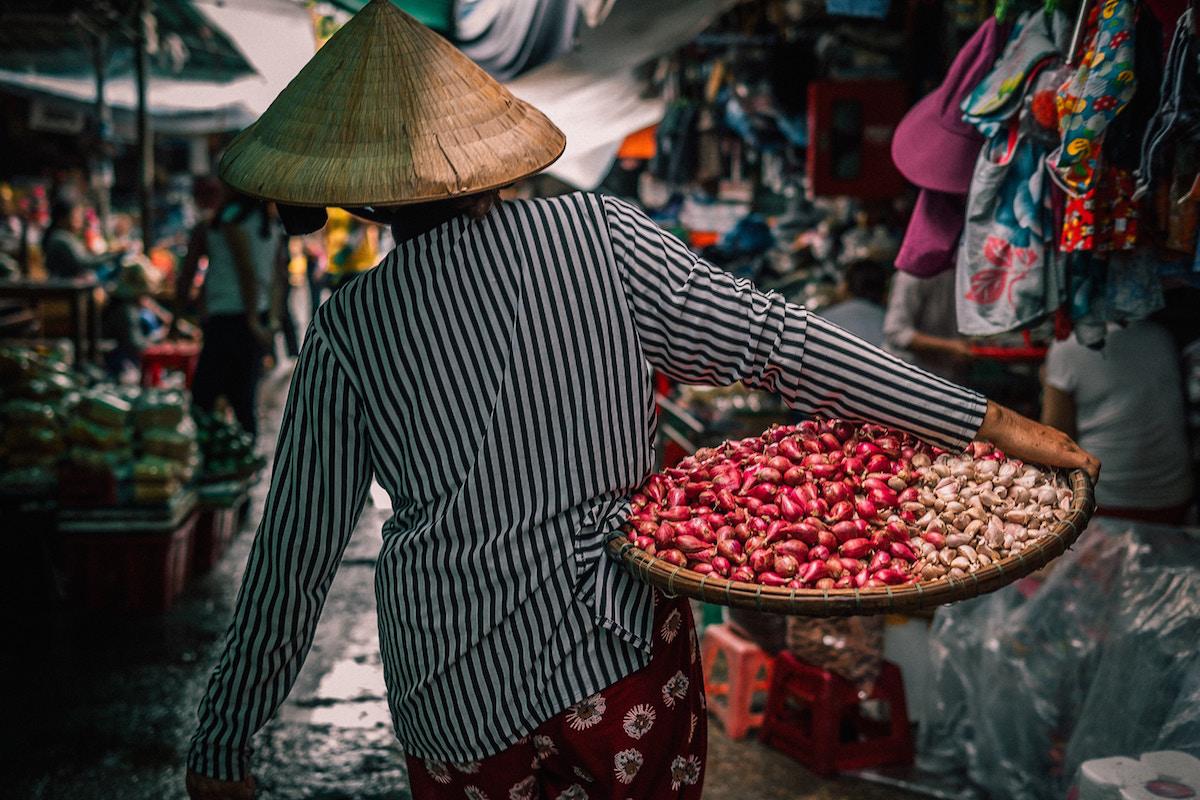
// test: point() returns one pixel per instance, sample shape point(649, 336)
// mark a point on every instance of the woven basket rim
point(711, 588)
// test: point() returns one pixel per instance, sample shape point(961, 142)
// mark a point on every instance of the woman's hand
point(202, 787)
point(1031, 441)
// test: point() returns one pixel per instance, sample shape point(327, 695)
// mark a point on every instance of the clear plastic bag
point(1099, 660)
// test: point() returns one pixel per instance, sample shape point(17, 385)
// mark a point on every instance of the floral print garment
point(1102, 86)
point(639, 738)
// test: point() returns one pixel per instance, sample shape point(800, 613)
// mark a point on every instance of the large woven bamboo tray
point(711, 588)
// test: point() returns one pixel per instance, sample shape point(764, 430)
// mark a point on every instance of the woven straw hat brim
point(389, 113)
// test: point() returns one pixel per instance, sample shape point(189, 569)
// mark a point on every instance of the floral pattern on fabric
point(675, 689)
point(626, 765)
point(586, 712)
point(619, 743)
point(1009, 273)
point(684, 771)
point(998, 96)
point(523, 790)
point(543, 748)
point(639, 720)
point(670, 627)
point(1101, 87)
point(437, 770)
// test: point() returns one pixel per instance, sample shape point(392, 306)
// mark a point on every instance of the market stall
point(130, 489)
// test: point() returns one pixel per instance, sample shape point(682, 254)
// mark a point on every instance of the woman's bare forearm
point(1032, 441)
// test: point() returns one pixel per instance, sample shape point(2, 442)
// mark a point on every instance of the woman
point(63, 248)
point(1125, 403)
point(491, 374)
point(242, 297)
point(921, 324)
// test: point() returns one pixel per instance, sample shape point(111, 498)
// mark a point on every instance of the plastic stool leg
point(741, 690)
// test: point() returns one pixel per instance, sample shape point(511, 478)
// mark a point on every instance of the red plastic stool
point(744, 660)
point(816, 718)
point(157, 358)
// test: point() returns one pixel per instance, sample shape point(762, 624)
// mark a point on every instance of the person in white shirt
point(1124, 403)
point(243, 296)
point(921, 325)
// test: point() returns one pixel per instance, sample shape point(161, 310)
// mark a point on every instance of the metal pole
point(102, 163)
point(144, 131)
point(1073, 53)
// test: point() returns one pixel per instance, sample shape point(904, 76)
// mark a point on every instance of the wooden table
point(80, 295)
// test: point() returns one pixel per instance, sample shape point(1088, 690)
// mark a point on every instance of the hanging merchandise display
point(933, 147)
point(1036, 39)
point(931, 240)
point(936, 150)
point(1009, 275)
point(1105, 218)
point(1101, 87)
point(509, 38)
point(1008, 278)
point(1178, 116)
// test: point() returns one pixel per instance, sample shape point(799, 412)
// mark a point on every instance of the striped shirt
point(494, 376)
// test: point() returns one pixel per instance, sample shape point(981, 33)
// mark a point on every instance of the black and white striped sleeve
point(320, 481)
point(699, 324)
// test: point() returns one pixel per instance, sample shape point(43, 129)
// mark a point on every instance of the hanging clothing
point(644, 736)
point(1009, 276)
point(1000, 95)
point(931, 240)
point(1103, 219)
point(222, 290)
point(511, 37)
point(1180, 98)
point(1101, 87)
point(491, 374)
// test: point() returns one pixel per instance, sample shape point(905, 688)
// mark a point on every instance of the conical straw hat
point(387, 113)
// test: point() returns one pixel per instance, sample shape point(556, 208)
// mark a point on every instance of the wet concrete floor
point(101, 707)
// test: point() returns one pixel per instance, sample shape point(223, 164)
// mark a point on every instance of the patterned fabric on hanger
point(1101, 87)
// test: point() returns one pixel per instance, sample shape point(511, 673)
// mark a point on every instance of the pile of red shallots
point(830, 504)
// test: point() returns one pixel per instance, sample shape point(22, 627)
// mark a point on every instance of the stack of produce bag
point(37, 393)
point(100, 449)
point(168, 452)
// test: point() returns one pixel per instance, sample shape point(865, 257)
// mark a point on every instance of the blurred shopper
point(14, 235)
point(66, 256)
point(131, 319)
point(921, 324)
point(860, 309)
point(1125, 404)
point(242, 295)
point(492, 375)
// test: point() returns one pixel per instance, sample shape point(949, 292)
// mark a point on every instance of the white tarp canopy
point(275, 36)
point(592, 93)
